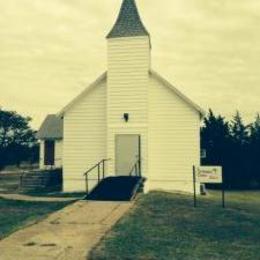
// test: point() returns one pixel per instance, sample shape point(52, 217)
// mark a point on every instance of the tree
point(235, 146)
point(239, 157)
point(254, 152)
point(214, 138)
point(239, 132)
point(17, 139)
point(255, 129)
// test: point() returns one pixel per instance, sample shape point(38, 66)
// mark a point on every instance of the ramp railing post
point(98, 173)
point(87, 184)
point(91, 170)
point(103, 169)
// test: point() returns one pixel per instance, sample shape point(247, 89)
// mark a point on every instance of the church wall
point(174, 140)
point(84, 137)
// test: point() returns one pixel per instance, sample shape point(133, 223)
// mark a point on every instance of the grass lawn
point(16, 214)
point(166, 226)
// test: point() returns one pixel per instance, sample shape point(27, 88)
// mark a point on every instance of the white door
point(127, 153)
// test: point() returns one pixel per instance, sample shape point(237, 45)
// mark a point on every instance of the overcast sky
point(50, 50)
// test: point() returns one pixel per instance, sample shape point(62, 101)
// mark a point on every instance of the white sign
point(209, 174)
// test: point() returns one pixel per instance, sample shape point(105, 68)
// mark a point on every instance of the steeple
point(128, 23)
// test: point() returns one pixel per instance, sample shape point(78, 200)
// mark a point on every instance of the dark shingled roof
point(128, 22)
point(51, 128)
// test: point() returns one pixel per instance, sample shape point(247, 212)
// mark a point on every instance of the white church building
point(129, 113)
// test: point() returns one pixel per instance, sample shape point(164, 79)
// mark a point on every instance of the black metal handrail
point(100, 166)
point(136, 168)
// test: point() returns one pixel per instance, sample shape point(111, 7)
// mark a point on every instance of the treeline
point(235, 146)
point(231, 144)
point(17, 140)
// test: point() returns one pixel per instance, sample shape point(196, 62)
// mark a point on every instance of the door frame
point(139, 149)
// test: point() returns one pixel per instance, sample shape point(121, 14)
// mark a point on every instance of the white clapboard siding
point(84, 137)
point(128, 68)
point(58, 153)
point(42, 166)
point(174, 139)
point(128, 79)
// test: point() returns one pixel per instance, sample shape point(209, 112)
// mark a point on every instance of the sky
point(51, 50)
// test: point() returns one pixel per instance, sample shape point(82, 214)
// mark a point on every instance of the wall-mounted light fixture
point(126, 117)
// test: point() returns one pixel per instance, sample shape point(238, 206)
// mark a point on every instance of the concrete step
point(41, 180)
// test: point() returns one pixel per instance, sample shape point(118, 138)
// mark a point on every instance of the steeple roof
point(128, 22)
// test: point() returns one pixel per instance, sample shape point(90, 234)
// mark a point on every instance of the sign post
point(194, 187)
point(223, 193)
point(208, 174)
point(223, 196)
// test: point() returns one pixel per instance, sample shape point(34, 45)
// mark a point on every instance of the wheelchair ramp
point(122, 188)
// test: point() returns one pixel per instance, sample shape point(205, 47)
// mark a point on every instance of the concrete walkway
point(68, 234)
point(34, 198)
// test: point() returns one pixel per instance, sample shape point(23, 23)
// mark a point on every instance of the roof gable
point(129, 22)
point(153, 74)
point(83, 94)
point(187, 100)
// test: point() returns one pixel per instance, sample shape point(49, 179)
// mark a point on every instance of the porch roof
point(51, 128)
